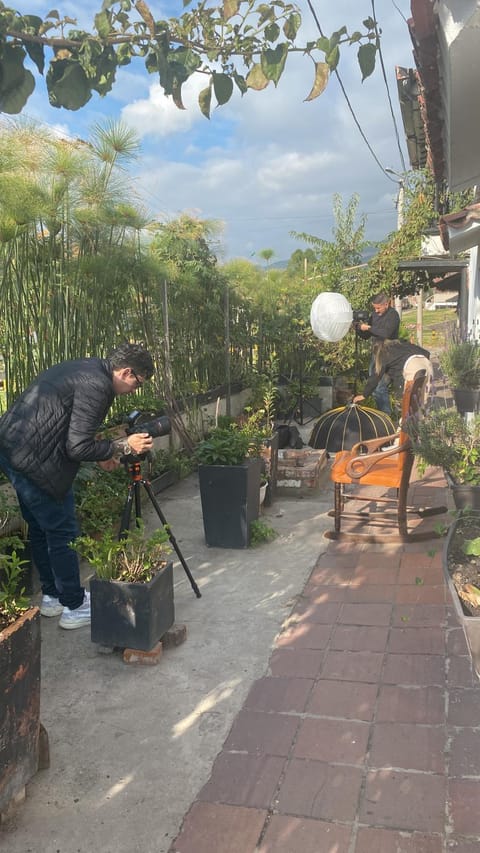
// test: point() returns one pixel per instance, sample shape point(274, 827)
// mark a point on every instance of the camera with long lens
point(360, 316)
point(140, 422)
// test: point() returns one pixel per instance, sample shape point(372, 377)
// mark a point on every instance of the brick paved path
point(363, 736)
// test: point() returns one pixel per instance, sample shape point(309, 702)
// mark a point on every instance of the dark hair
point(134, 356)
point(380, 298)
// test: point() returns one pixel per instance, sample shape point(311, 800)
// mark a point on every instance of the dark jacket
point(394, 358)
point(50, 429)
point(383, 326)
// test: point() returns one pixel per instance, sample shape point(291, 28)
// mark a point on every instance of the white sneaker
point(50, 606)
point(76, 618)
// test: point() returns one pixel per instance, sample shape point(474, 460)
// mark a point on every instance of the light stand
point(134, 468)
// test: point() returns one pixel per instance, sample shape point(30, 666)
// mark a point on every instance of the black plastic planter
point(230, 502)
point(466, 399)
point(464, 496)
point(132, 615)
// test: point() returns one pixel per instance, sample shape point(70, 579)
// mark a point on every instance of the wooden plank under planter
point(230, 497)
point(19, 704)
point(132, 615)
point(470, 624)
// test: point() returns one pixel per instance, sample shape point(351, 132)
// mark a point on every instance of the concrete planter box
point(19, 705)
point(470, 624)
point(230, 496)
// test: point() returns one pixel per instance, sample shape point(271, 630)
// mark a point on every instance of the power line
point(360, 129)
point(399, 11)
point(382, 64)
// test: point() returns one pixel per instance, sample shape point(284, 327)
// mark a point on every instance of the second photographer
point(383, 324)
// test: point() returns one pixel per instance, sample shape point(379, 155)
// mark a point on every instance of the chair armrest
point(373, 444)
point(361, 465)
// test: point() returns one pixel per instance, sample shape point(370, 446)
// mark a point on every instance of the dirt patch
point(464, 569)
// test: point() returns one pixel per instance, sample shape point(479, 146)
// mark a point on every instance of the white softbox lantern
point(331, 316)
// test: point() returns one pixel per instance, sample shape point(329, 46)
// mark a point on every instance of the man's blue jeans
point(381, 395)
point(52, 526)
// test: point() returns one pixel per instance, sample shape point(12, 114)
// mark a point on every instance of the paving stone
point(258, 733)
point(464, 797)
point(411, 704)
point(388, 841)
point(341, 741)
point(304, 663)
point(369, 593)
point(459, 672)
point(426, 641)
point(375, 574)
point(305, 636)
point(353, 666)
point(301, 835)
point(206, 827)
point(419, 594)
point(359, 638)
point(366, 614)
point(465, 753)
point(320, 790)
point(419, 615)
point(414, 801)
point(279, 694)
point(420, 575)
point(456, 642)
point(243, 780)
point(317, 593)
point(464, 707)
point(414, 669)
point(324, 613)
point(459, 845)
point(408, 746)
point(344, 699)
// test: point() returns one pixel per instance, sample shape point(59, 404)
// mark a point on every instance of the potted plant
point(445, 439)
point(229, 475)
point(131, 592)
point(460, 362)
point(20, 682)
point(461, 563)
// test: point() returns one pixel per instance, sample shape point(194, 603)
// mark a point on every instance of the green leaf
point(230, 8)
point(36, 54)
point(223, 87)
point(356, 36)
point(369, 23)
point(240, 81)
point(124, 54)
point(292, 26)
point(256, 78)
point(273, 62)
point(16, 83)
point(366, 59)
point(322, 73)
point(205, 100)
point(272, 32)
point(333, 58)
point(53, 14)
point(323, 44)
point(103, 24)
point(67, 85)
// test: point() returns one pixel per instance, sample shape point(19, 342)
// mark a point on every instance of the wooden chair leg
point(338, 502)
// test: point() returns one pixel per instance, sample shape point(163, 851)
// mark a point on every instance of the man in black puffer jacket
point(44, 437)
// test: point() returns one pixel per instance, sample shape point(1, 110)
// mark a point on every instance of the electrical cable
point(384, 75)
point(360, 129)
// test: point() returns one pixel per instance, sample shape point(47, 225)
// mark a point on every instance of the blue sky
point(268, 163)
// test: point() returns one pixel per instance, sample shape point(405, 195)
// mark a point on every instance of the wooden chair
point(383, 462)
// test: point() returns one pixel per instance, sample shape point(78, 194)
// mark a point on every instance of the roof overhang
point(447, 55)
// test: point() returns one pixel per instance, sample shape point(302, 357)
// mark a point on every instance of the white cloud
point(158, 116)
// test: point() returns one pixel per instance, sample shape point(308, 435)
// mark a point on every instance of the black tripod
point(134, 468)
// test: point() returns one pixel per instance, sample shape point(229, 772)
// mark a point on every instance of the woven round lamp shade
point(341, 428)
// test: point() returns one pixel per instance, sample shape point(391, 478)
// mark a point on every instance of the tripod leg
point(175, 546)
point(127, 513)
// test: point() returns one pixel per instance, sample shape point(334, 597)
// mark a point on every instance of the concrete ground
point(131, 746)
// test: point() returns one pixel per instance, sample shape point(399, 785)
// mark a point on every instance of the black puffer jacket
point(51, 427)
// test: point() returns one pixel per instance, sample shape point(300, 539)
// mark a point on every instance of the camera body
point(138, 421)
point(361, 316)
